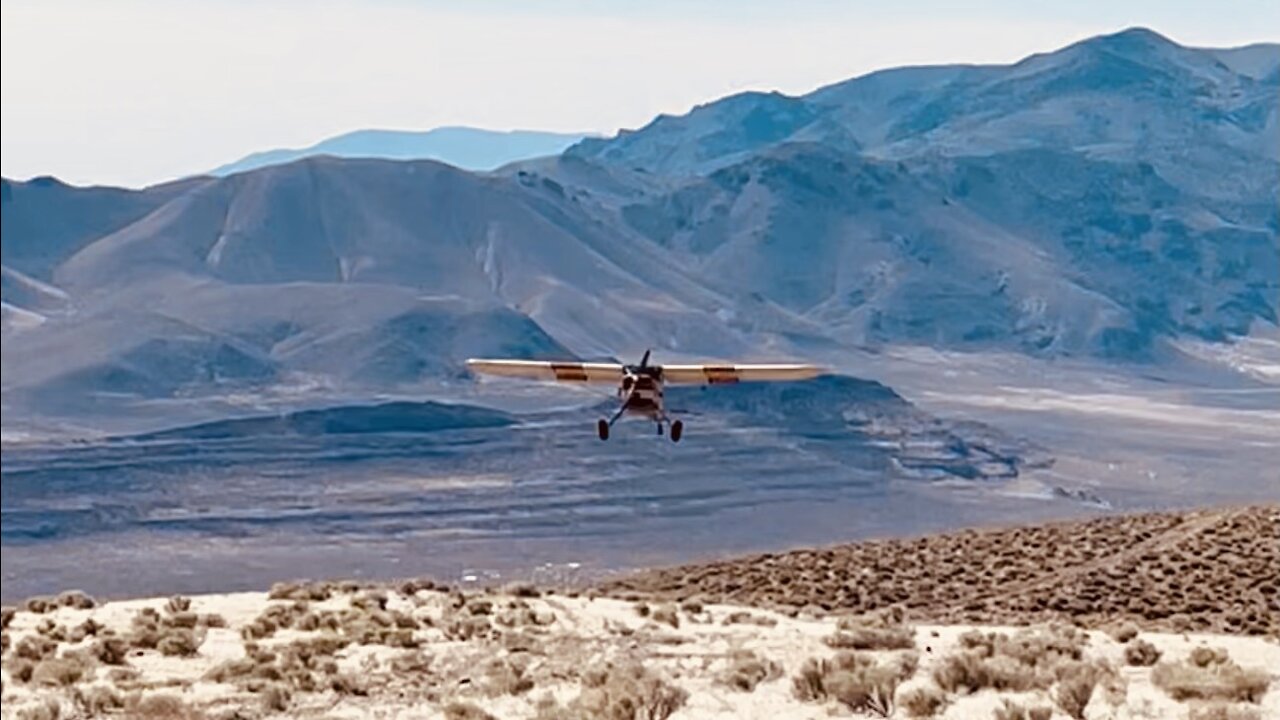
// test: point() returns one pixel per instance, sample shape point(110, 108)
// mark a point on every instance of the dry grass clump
point(856, 680)
point(742, 617)
point(1141, 654)
point(177, 604)
point(465, 711)
point(1210, 675)
point(520, 590)
point(747, 670)
point(518, 613)
point(1076, 684)
point(625, 692)
point(1010, 710)
point(1224, 711)
point(4, 642)
point(666, 614)
point(925, 701)
point(7, 614)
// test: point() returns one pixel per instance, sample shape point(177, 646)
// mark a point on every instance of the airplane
point(640, 386)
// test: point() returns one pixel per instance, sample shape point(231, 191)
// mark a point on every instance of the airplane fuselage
point(641, 393)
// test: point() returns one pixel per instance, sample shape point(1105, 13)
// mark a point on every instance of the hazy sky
point(139, 91)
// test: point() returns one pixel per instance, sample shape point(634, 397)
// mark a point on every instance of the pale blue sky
point(139, 91)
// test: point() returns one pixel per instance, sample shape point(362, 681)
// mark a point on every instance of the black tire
point(602, 429)
point(677, 430)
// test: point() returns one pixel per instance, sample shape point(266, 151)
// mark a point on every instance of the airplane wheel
point(602, 429)
point(677, 429)
point(659, 429)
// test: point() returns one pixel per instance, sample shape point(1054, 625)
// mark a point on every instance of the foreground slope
point(422, 649)
point(1208, 570)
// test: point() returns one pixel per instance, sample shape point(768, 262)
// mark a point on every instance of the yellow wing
point(718, 374)
point(558, 371)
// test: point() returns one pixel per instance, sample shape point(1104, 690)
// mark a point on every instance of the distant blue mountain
point(464, 147)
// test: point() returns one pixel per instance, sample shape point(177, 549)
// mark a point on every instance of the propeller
point(644, 361)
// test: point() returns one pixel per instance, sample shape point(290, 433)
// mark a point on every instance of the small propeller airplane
point(640, 386)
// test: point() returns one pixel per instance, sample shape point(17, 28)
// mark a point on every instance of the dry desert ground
point(912, 628)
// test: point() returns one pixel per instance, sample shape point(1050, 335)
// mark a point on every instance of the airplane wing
point(719, 374)
point(558, 371)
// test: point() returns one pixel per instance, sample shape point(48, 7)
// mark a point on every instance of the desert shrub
point(177, 604)
point(1204, 657)
point(183, 619)
point(878, 634)
point(258, 629)
point(666, 614)
point(1141, 653)
point(1125, 632)
point(1010, 710)
point(96, 700)
point(7, 614)
point(160, 707)
point(110, 650)
point(35, 648)
point(642, 609)
point(348, 684)
point(306, 590)
point(179, 642)
point(63, 671)
point(213, 620)
point(505, 676)
point(1224, 711)
point(742, 617)
point(88, 628)
point(370, 600)
point(625, 692)
point(275, 697)
point(858, 681)
point(746, 670)
point(1075, 689)
point(4, 642)
point(40, 605)
point(52, 630)
point(20, 668)
point(123, 675)
point(691, 606)
point(520, 590)
point(465, 711)
point(922, 702)
point(229, 671)
point(1223, 680)
point(46, 709)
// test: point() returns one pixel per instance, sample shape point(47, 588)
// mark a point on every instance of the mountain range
point(1099, 201)
point(464, 147)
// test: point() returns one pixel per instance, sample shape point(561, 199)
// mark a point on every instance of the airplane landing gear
point(602, 429)
point(659, 429)
point(677, 430)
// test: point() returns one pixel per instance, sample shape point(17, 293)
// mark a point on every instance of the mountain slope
point(463, 147)
point(1097, 201)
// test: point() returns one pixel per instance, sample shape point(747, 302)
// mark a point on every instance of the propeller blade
point(644, 361)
